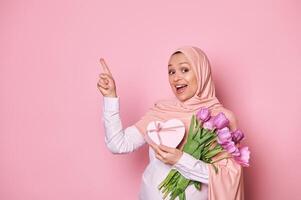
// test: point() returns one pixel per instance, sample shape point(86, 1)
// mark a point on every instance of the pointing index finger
point(105, 66)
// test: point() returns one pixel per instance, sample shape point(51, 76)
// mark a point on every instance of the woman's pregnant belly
point(154, 174)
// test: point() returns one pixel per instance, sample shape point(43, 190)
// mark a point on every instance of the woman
point(190, 79)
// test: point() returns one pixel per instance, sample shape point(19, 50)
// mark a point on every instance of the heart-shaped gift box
point(169, 133)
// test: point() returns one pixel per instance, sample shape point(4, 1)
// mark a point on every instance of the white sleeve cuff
point(111, 103)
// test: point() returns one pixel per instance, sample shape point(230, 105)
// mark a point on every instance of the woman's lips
point(181, 89)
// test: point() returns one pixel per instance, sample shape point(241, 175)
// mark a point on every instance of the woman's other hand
point(106, 83)
point(167, 155)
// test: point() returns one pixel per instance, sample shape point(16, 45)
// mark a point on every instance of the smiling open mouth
point(181, 88)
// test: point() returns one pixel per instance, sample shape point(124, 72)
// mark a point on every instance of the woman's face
point(182, 78)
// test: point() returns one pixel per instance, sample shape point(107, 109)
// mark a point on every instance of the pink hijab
point(227, 184)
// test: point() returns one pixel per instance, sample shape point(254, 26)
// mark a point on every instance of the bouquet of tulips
point(208, 136)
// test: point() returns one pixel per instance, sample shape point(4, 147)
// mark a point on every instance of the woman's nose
point(177, 77)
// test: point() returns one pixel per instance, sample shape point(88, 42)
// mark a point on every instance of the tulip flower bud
point(223, 135)
point(237, 136)
point(244, 157)
point(220, 121)
point(203, 114)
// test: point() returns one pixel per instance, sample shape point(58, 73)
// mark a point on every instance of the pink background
point(51, 132)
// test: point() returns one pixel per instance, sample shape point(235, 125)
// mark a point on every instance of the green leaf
point(182, 196)
point(213, 153)
point(208, 147)
point(168, 178)
point(176, 192)
point(201, 149)
point(191, 146)
point(205, 138)
point(202, 131)
point(197, 154)
point(198, 134)
point(183, 182)
point(191, 128)
point(181, 186)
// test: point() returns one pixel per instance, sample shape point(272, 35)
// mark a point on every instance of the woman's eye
point(170, 72)
point(185, 70)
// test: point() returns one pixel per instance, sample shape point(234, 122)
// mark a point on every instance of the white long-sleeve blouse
point(120, 141)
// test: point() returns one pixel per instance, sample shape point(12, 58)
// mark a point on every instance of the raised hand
point(106, 83)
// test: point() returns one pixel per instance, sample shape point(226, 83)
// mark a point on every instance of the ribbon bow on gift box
point(169, 133)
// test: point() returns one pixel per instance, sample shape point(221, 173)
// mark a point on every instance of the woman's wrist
point(180, 155)
point(112, 95)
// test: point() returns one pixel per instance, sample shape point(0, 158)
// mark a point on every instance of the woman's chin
point(181, 98)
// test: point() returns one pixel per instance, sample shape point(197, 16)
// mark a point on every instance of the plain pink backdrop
point(51, 131)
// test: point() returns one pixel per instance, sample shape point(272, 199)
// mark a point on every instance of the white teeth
point(178, 86)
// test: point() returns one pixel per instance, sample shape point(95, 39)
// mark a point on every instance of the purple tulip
point(237, 136)
point(209, 124)
point(224, 135)
point(244, 157)
point(220, 121)
point(203, 114)
point(231, 148)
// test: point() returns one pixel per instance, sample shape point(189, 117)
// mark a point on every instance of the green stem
point(169, 177)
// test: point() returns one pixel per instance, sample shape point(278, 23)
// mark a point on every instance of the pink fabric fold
point(227, 184)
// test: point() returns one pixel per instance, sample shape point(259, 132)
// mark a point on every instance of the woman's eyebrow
point(183, 63)
point(179, 63)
